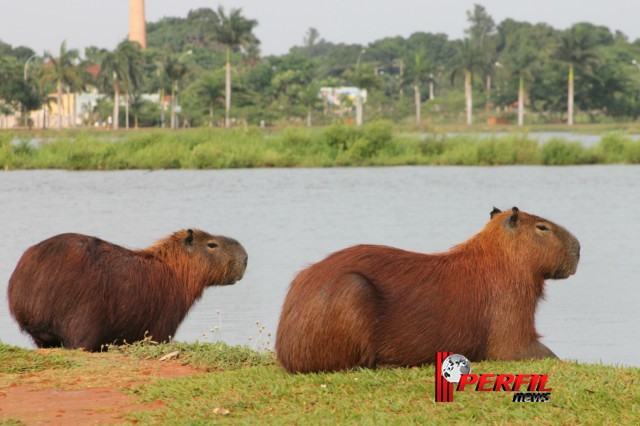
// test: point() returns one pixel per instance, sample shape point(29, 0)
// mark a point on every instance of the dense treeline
point(209, 66)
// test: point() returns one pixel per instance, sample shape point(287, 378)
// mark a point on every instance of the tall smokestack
point(137, 25)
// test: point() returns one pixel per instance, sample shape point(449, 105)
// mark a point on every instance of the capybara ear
point(495, 211)
point(189, 239)
point(513, 220)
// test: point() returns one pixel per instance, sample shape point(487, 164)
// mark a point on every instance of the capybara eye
point(542, 227)
point(212, 245)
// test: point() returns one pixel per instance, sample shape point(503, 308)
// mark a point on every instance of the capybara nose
point(246, 260)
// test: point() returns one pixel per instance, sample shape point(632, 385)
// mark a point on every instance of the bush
point(559, 152)
point(614, 148)
point(508, 150)
point(339, 136)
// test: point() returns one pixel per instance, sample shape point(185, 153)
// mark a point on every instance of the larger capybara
point(78, 291)
point(369, 305)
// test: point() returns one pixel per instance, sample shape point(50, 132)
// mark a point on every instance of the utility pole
point(359, 111)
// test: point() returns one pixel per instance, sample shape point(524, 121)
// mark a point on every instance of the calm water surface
point(290, 218)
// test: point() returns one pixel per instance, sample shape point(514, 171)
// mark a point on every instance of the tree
point(94, 55)
point(468, 59)
point(16, 91)
point(422, 71)
point(62, 71)
point(174, 70)
point(233, 31)
point(310, 98)
point(576, 48)
point(482, 25)
point(293, 84)
point(362, 77)
point(210, 89)
point(435, 53)
point(482, 33)
point(518, 55)
point(137, 105)
point(121, 69)
point(310, 40)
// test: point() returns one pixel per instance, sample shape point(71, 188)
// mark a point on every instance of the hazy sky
point(44, 24)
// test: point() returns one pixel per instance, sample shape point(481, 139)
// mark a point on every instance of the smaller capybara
point(78, 291)
point(368, 305)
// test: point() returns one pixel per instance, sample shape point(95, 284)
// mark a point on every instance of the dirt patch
point(42, 398)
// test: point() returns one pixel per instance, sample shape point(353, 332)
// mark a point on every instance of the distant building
point(336, 96)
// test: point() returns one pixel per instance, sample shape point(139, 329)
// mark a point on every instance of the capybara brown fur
point(367, 305)
point(78, 291)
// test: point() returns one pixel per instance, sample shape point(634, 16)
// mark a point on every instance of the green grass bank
point(374, 144)
point(255, 390)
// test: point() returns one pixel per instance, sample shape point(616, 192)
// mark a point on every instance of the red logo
point(444, 388)
point(453, 368)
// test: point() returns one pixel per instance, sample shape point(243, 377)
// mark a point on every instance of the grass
point(236, 385)
point(14, 360)
point(376, 143)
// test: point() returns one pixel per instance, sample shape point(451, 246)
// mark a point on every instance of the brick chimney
point(137, 25)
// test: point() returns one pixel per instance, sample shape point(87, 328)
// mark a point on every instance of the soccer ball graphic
point(455, 366)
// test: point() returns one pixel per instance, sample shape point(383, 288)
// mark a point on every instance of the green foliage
point(617, 148)
point(375, 143)
point(363, 142)
point(283, 89)
point(340, 137)
point(558, 152)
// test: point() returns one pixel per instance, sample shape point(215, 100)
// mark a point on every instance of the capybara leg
point(88, 343)
point(333, 330)
point(46, 340)
point(531, 350)
point(537, 350)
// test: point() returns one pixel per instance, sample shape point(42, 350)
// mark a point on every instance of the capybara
point(78, 291)
point(368, 305)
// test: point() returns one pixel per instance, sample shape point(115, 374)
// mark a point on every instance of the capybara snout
point(236, 257)
point(223, 254)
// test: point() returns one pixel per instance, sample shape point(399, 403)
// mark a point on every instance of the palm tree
point(121, 69)
point(468, 59)
point(363, 78)
point(137, 105)
point(39, 77)
point(63, 72)
point(422, 71)
point(522, 67)
point(210, 88)
point(519, 59)
point(174, 70)
point(310, 40)
point(234, 32)
point(310, 98)
point(577, 49)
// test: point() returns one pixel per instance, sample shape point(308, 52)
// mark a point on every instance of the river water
point(290, 218)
